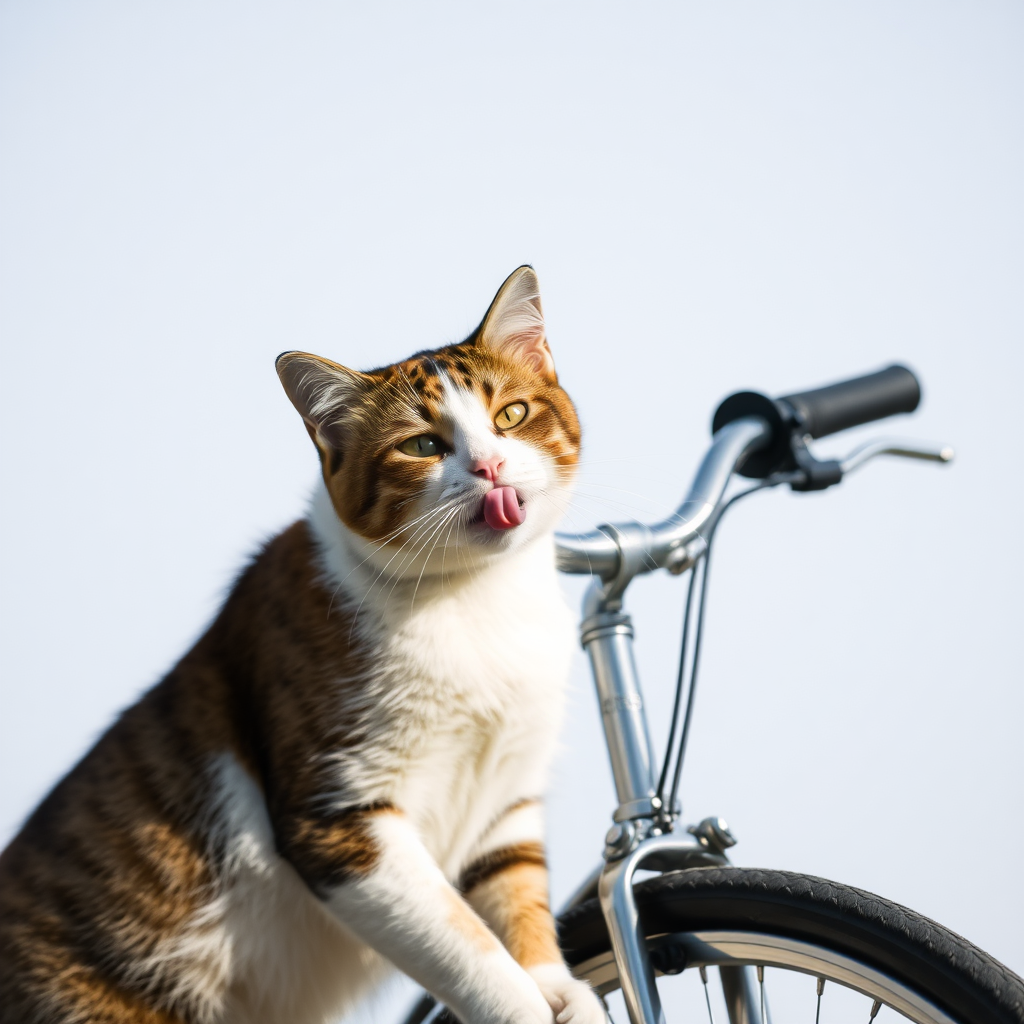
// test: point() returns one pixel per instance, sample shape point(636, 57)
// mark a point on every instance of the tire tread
point(968, 983)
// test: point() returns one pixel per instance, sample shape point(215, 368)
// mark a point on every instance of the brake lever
point(814, 474)
point(903, 449)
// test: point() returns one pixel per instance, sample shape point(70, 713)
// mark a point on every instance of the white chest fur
point(467, 690)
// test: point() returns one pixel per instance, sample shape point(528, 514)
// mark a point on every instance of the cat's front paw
point(572, 1001)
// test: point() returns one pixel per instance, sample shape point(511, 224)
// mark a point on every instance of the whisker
point(422, 528)
point(426, 561)
point(434, 533)
point(617, 487)
point(456, 521)
point(591, 506)
point(375, 547)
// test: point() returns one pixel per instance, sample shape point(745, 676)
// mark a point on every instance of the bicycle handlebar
point(850, 403)
point(598, 552)
point(759, 437)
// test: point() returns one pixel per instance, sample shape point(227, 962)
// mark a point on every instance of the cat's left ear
point(514, 325)
point(322, 391)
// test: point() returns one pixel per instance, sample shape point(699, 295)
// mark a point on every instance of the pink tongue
point(501, 509)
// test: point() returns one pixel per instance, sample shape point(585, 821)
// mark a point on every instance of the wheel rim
point(732, 949)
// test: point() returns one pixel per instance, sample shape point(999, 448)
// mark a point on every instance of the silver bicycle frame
point(641, 836)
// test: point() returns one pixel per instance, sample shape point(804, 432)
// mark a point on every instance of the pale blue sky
point(767, 195)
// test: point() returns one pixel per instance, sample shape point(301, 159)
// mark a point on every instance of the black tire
point(947, 970)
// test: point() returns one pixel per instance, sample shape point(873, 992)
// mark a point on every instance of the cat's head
point(459, 453)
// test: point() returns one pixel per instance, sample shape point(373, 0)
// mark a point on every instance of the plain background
point(739, 195)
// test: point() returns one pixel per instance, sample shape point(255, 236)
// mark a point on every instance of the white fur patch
point(469, 687)
point(524, 824)
point(264, 949)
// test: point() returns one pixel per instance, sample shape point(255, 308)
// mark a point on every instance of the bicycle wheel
point(829, 952)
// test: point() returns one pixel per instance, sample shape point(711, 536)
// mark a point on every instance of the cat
point(344, 774)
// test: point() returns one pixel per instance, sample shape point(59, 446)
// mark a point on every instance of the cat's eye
point(422, 446)
point(511, 416)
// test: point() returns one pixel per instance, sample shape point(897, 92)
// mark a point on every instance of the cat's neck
point(354, 568)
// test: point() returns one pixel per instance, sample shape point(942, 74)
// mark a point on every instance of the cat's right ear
point(514, 325)
point(322, 391)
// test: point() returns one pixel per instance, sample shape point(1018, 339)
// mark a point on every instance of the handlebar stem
point(615, 555)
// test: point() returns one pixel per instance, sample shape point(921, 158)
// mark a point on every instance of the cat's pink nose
point(487, 468)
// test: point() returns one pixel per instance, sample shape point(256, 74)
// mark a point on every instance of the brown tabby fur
point(120, 855)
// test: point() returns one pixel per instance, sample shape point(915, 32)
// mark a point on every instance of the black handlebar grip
point(852, 402)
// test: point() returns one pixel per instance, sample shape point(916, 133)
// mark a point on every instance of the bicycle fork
point(638, 838)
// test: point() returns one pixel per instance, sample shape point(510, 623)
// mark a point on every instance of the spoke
point(760, 981)
point(707, 996)
point(858, 986)
point(434, 1013)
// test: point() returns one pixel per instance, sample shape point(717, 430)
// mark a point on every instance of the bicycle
point(699, 911)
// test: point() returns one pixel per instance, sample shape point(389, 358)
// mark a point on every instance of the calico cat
point(345, 771)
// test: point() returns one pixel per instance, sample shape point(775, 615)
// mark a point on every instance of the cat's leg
point(506, 881)
point(372, 871)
